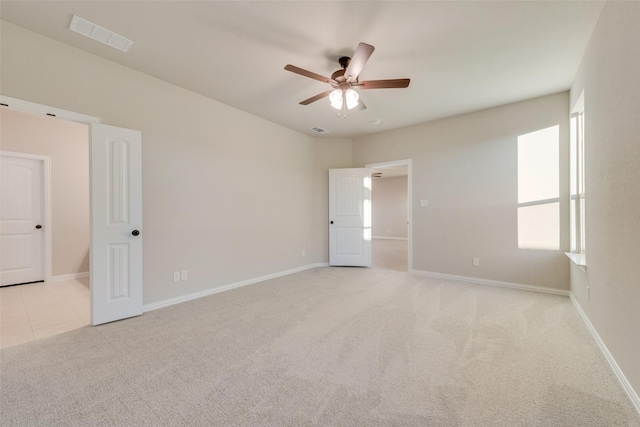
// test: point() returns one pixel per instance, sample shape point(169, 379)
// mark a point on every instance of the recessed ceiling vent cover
point(100, 34)
point(319, 130)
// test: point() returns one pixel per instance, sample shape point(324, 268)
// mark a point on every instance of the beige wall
point(389, 207)
point(226, 195)
point(67, 144)
point(610, 77)
point(466, 167)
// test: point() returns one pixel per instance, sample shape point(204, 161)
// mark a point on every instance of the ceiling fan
point(342, 95)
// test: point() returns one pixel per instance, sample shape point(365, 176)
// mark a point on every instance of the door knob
point(38, 226)
point(331, 222)
point(135, 232)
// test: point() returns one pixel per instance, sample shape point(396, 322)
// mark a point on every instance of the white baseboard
point(195, 295)
point(63, 277)
point(389, 238)
point(605, 351)
point(479, 281)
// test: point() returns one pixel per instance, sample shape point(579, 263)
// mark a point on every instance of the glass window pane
point(583, 246)
point(538, 165)
point(539, 226)
point(572, 226)
point(580, 159)
point(573, 156)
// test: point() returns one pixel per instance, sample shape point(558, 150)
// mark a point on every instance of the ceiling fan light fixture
point(352, 98)
point(336, 99)
point(339, 97)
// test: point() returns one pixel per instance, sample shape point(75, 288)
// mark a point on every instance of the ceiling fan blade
point(306, 73)
point(384, 84)
point(360, 57)
point(360, 106)
point(317, 97)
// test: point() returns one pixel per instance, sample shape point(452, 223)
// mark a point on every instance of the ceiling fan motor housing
point(339, 79)
point(338, 76)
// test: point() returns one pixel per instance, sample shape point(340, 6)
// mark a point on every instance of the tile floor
point(39, 310)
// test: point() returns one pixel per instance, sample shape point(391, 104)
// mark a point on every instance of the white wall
point(466, 167)
point(226, 195)
point(610, 77)
point(389, 207)
point(67, 144)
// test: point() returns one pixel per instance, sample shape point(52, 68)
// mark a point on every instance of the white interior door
point(21, 220)
point(350, 217)
point(116, 223)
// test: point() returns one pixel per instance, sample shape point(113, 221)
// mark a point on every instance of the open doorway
point(58, 299)
point(391, 224)
point(115, 176)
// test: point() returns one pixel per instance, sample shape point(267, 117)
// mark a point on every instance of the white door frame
point(408, 163)
point(40, 109)
point(46, 204)
point(32, 107)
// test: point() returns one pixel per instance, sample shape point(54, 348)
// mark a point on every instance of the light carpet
point(330, 347)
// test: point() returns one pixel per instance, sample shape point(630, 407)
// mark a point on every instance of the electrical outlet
point(176, 276)
point(303, 252)
point(476, 262)
point(184, 274)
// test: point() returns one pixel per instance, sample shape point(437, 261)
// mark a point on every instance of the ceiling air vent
point(100, 34)
point(319, 130)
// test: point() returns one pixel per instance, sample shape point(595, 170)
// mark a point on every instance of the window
point(576, 183)
point(539, 189)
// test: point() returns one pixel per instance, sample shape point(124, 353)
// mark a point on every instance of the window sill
point(578, 259)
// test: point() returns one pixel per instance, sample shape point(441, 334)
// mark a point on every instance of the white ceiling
point(460, 56)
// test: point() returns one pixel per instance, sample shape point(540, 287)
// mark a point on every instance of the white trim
point(539, 202)
point(46, 200)
point(635, 400)
point(579, 259)
point(389, 238)
point(479, 281)
point(65, 277)
point(32, 107)
point(409, 164)
point(48, 209)
point(207, 292)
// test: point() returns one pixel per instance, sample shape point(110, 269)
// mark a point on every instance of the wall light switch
point(176, 276)
point(185, 274)
point(424, 203)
